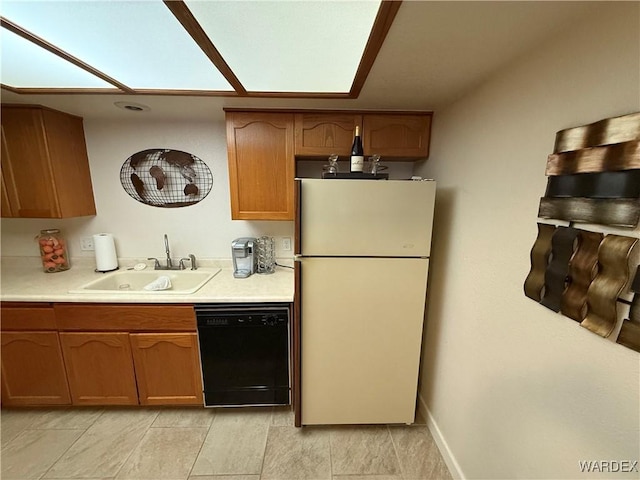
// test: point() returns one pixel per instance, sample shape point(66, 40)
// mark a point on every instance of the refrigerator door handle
point(296, 340)
point(297, 239)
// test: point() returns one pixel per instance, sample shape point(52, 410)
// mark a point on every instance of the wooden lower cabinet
point(99, 354)
point(167, 368)
point(99, 368)
point(33, 371)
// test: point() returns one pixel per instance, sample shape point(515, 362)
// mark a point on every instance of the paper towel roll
point(106, 258)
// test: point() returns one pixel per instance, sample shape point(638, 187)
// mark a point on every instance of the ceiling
point(433, 54)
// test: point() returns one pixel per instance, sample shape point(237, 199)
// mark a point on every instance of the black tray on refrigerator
point(356, 176)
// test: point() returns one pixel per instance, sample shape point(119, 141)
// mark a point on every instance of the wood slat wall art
point(634, 311)
point(602, 295)
point(620, 156)
point(615, 212)
point(630, 335)
point(630, 332)
point(604, 132)
point(555, 275)
point(624, 184)
point(583, 267)
point(635, 285)
point(540, 252)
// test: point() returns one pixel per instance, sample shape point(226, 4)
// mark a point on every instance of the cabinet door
point(167, 368)
point(99, 368)
point(396, 135)
point(69, 163)
point(261, 165)
point(33, 370)
point(6, 211)
point(25, 165)
point(8, 189)
point(45, 167)
point(322, 134)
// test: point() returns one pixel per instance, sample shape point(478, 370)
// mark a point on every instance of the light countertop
point(23, 280)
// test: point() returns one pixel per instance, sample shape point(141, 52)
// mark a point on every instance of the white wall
point(516, 390)
point(205, 229)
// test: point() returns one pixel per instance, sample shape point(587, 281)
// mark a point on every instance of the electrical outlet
point(86, 243)
point(286, 244)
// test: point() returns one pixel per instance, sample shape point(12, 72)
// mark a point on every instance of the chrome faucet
point(166, 249)
point(191, 259)
point(170, 266)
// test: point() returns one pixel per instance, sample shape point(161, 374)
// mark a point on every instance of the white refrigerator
point(362, 259)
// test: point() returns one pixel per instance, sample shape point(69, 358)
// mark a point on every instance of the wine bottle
point(357, 155)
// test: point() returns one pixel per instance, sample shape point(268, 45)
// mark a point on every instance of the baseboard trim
point(443, 446)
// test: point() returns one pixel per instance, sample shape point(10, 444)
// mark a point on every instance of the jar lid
point(50, 231)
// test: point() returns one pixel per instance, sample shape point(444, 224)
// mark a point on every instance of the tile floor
point(207, 444)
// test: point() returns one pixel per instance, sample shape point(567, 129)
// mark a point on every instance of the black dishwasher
point(244, 352)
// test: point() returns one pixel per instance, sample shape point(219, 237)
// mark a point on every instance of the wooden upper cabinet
point(7, 210)
point(396, 135)
point(391, 135)
point(262, 147)
point(261, 165)
point(45, 169)
point(322, 134)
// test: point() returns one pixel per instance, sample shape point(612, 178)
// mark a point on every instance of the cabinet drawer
point(29, 316)
point(118, 317)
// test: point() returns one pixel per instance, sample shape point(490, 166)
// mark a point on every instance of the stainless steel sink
point(131, 281)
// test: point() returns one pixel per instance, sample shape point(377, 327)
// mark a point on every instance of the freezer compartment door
point(379, 218)
point(361, 333)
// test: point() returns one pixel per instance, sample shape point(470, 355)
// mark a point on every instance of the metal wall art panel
point(555, 275)
point(635, 285)
point(624, 184)
point(583, 267)
point(634, 311)
point(540, 253)
point(604, 132)
point(630, 332)
point(610, 158)
point(616, 212)
point(613, 275)
point(594, 178)
point(166, 178)
point(630, 335)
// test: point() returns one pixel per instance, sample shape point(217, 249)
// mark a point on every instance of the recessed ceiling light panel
point(139, 43)
point(26, 65)
point(284, 46)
